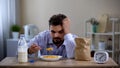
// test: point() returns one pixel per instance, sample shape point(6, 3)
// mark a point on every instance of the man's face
point(57, 33)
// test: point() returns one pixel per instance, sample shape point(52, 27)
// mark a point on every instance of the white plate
point(50, 59)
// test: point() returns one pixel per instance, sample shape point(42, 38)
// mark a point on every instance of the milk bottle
point(22, 50)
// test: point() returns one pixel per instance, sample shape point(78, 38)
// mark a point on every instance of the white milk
point(22, 54)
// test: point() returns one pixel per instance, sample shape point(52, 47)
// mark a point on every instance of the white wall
point(39, 11)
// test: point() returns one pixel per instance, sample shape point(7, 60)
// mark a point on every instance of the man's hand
point(33, 48)
point(66, 25)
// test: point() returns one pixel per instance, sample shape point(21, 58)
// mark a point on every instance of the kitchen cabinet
point(12, 47)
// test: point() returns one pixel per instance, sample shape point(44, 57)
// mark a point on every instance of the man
point(58, 37)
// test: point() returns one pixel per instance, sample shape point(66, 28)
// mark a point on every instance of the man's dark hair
point(57, 19)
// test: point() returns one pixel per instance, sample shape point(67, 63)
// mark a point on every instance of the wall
point(39, 11)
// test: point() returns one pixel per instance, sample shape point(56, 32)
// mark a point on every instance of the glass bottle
point(22, 50)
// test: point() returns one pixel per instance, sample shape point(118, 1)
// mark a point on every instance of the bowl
point(51, 57)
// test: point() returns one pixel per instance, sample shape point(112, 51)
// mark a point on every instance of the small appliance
point(30, 31)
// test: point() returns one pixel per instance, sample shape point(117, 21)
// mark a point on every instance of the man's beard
point(57, 41)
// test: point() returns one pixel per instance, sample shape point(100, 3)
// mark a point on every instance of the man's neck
point(58, 45)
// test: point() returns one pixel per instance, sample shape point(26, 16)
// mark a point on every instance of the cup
point(101, 45)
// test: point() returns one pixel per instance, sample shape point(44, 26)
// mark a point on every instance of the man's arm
point(37, 42)
point(66, 25)
point(69, 39)
point(33, 48)
point(69, 43)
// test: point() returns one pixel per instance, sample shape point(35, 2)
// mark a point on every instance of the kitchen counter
point(11, 62)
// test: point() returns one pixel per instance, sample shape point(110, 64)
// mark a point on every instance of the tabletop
point(63, 63)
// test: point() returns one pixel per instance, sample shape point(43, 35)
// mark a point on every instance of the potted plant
point(15, 31)
point(94, 24)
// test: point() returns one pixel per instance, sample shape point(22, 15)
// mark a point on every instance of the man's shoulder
point(44, 33)
point(73, 35)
